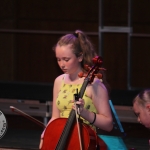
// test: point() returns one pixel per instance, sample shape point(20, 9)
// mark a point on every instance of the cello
point(62, 133)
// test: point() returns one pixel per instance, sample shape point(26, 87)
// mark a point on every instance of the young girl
point(141, 107)
point(72, 52)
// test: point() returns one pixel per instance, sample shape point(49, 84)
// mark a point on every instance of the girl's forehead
point(68, 46)
point(136, 106)
point(64, 51)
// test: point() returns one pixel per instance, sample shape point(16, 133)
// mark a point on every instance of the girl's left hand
point(78, 105)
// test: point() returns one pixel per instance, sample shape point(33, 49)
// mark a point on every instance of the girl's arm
point(98, 92)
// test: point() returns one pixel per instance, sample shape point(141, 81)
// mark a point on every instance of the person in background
point(72, 52)
point(141, 108)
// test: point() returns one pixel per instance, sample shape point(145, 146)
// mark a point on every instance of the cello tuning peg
point(86, 67)
point(102, 69)
point(99, 76)
point(81, 74)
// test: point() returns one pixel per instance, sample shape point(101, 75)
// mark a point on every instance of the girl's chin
point(65, 72)
point(147, 127)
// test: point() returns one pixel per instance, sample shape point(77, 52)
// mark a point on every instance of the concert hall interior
point(120, 32)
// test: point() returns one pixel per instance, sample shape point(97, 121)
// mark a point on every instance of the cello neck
point(71, 120)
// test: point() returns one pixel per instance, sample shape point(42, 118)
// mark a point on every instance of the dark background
point(30, 28)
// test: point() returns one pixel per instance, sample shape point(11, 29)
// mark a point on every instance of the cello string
point(78, 126)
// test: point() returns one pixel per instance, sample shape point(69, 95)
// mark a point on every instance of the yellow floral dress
point(66, 94)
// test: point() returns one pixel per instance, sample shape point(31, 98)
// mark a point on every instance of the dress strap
point(63, 79)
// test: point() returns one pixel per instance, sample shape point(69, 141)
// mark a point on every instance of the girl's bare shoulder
point(59, 78)
point(97, 83)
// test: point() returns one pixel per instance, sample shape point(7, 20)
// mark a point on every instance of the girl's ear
point(80, 58)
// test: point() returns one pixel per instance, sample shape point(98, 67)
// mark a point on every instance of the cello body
point(53, 132)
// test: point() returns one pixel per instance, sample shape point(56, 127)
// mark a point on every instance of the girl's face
point(67, 60)
point(142, 113)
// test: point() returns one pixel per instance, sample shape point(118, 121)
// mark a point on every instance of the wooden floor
point(22, 134)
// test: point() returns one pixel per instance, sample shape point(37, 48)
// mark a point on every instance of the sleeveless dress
point(66, 94)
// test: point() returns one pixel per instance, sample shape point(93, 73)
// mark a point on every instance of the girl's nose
point(61, 64)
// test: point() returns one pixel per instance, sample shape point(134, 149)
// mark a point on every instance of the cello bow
point(14, 109)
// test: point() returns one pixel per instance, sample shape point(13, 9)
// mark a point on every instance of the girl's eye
point(66, 59)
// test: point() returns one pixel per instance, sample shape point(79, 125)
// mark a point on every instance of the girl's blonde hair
point(143, 97)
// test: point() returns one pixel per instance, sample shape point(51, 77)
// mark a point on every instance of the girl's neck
point(72, 78)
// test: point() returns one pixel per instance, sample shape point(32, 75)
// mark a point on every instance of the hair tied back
point(75, 34)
